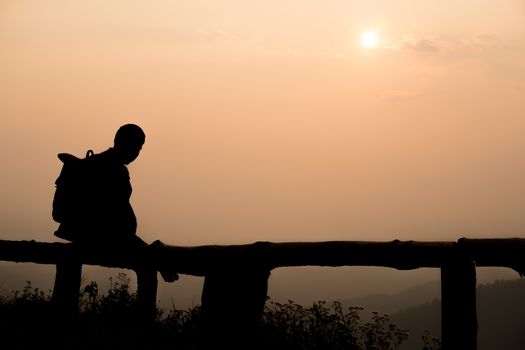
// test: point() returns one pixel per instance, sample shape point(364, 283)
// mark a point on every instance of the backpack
point(73, 188)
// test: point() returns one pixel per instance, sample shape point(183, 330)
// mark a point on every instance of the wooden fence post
point(146, 295)
point(66, 289)
point(459, 323)
point(232, 306)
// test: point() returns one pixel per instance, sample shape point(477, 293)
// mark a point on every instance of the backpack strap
point(66, 157)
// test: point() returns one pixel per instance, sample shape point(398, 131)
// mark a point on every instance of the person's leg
point(147, 279)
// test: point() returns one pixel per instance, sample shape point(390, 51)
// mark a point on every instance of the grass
point(106, 321)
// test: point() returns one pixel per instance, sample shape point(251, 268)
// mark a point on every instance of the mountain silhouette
point(392, 303)
point(500, 306)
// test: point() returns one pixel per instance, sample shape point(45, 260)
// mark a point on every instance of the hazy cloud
point(477, 42)
point(413, 43)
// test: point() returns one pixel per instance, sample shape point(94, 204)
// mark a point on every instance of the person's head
point(128, 142)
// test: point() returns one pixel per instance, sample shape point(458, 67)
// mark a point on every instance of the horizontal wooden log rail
point(238, 274)
point(201, 260)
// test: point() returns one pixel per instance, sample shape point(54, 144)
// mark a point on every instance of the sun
point(369, 39)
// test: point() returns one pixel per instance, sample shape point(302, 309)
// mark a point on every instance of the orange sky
point(268, 120)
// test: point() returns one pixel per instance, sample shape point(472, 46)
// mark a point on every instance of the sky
point(273, 121)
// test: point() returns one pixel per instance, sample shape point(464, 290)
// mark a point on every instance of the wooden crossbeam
point(200, 260)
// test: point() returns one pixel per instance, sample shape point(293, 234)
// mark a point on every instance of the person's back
point(102, 211)
point(113, 217)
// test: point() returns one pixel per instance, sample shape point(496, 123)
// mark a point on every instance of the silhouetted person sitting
point(92, 205)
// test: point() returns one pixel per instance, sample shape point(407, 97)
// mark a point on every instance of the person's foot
point(167, 276)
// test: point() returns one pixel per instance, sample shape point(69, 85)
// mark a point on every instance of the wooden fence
point(236, 276)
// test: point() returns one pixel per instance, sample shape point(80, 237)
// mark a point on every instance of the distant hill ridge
point(501, 311)
point(391, 303)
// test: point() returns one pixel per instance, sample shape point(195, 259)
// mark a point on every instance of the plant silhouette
point(104, 322)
